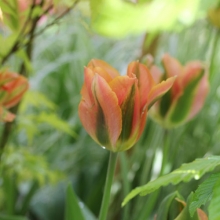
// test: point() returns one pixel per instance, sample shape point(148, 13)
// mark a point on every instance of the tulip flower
point(12, 88)
point(113, 108)
point(187, 95)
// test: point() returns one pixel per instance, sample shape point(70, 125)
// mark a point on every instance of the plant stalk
point(108, 184)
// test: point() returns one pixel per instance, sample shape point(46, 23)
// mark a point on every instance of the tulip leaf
point(204, 193)
point(193, 170)
point(73, 210)
point(165, 205)
point(214, 212)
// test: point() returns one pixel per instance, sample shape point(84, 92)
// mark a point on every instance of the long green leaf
point(73, 210)
point(186, 172)
point(165, 206)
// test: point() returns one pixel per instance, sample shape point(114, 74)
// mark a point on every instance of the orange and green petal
point(180, 108)
point(109, 116)
point(88, 115)
point(86, 91)
point(130, 119)
point(145, 80)
point(172, 66)
point(102, 64)
point(12, 88)
point(122, 86)
point(200, 97)
point(159, 90)
point(103, 73)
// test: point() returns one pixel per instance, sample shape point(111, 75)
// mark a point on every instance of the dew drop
point(196, 177)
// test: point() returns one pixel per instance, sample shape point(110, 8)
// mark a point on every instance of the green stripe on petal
point(102, 129)
point(130, 119)
point(108, 119)
point(181, 107)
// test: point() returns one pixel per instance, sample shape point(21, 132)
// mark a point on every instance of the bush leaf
point(204, 193)
point(214, 212)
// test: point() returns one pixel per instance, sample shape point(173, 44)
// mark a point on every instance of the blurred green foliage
point(48, 135)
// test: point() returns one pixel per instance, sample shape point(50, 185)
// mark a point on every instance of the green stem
point(108, 184)
point(166, 149)
point(213, 52)
point(125, 182)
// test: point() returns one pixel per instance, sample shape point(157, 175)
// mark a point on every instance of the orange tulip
point(187, 95)
point(113, 108)
point(12, 88)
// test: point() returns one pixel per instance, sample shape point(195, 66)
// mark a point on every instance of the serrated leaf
point(193, 170)
point(72, 209)
point(214, 211)
point(203, 193)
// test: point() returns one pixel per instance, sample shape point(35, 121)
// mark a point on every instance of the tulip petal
point(159, 90)
point(145, 80)
point(156, 73)
point(86, 91)
point(200, 97)
point(181, 106)
point(130, 119)
point(16, 90)
point(103, 73)
point(109, 117)
point(102, 64)
point(12, 88)
point(172, 66)
point(88, 115)
point(122, 86)
point(142, 122)
point(5, 115)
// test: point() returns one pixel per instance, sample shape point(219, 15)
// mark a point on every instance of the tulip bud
point(12, 88)
point(187, 95)
point(113, 108)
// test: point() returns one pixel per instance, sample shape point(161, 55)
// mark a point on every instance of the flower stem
point(166, 149)
point(213, 52)
point(108, 184)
